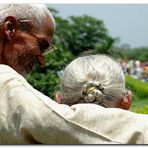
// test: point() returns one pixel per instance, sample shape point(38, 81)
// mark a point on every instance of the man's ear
point(10, 26)
point(127, 100)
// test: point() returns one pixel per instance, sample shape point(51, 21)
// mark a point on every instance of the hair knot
point(93, 92)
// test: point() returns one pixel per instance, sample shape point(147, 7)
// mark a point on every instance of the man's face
point(28, 45)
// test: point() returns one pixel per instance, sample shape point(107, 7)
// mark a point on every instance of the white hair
point(34, 12)
point(95, 70)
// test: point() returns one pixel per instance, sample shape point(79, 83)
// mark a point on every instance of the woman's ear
point(126, 101)
point(10, 26)
point(58, 97)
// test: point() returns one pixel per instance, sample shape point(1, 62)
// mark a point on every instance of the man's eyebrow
point(50, 33)
point(27, 25)
point(50, 30)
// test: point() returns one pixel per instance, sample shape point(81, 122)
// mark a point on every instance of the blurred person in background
point(138, 72)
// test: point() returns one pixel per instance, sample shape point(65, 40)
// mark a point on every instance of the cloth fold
point(28, 117)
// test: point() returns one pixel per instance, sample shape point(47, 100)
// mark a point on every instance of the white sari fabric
point(28, 117)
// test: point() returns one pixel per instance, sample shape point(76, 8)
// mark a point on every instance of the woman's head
point(94, 79)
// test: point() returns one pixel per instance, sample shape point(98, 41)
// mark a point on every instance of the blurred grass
point(139, 88)
point(139, 105)
point(140, 95)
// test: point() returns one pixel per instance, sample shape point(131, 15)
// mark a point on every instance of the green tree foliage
point(134, 54)
point(141, 52)
point(74, 36)
point(88, 33)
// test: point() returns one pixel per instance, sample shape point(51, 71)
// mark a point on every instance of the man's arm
point(27, 116)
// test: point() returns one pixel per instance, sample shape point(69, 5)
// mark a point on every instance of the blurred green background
point(83, 35)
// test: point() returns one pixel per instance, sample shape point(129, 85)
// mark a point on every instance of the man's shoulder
point(7, 74)
point(5, 68)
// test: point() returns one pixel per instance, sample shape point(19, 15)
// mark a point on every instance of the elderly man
point(26, 32)
point(26, 115)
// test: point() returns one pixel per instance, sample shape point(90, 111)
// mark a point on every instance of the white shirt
point(27, 117)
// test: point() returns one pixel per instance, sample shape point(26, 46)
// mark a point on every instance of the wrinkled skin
point(21, 49)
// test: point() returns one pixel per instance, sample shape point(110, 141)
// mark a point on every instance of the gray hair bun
point(93, 92)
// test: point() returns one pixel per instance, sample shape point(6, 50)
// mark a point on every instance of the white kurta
point(27, 116)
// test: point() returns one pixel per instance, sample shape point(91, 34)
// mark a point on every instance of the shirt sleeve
point(28, 117)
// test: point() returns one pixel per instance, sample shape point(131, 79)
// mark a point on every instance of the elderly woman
point(94, 79)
